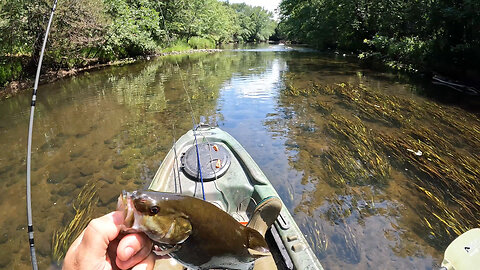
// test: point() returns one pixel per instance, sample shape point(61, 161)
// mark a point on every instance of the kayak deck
point(236, 186)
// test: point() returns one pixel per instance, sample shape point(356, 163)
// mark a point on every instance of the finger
point(147, 264)
point(76, 243)
point(132, 249)
point(100, 232)
point(112, 252)
point(70, 257)
point(131, 244)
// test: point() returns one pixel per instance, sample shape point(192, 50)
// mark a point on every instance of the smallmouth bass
point(195, 232)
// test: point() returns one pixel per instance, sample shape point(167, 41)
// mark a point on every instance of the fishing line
point(198, 161)
point(191, 110)
point(194, 127)
point(176, 168)
point(29, 145)
point(165, 26)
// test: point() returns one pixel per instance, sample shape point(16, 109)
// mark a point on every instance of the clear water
point(114, 126)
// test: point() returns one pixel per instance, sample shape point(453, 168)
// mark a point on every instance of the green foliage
point(218, 21)
point(416, 34)
point(134, 28)
point(93, 31)
point(181, 45)
point(77, 25)
point(201, 43)
point(254, 23)
point(405, 53)
point(178, 46)
point(10, 69)
point(20, 25)
point(78, 32)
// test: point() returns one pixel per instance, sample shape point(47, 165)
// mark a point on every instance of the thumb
point(100, 232)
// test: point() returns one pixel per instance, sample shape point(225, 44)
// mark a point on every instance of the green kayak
point(233, 182)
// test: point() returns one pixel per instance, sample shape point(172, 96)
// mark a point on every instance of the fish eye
point(154, 210)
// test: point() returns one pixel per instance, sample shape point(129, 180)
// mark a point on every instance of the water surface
point(310, 121)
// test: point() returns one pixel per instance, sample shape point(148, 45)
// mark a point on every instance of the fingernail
point(129, 251)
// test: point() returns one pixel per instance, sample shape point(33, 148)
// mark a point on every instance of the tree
point(101, 30)
point(134, 29)
point(255, 23)
point(408, 34)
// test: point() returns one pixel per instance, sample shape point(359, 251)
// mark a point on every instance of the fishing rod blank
point(29, 146)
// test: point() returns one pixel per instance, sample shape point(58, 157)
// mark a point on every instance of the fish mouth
point(125, 204)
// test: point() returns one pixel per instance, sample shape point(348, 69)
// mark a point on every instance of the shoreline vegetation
point(438, 37)
point(96, 33)
point(437, 40)
point(49, 76)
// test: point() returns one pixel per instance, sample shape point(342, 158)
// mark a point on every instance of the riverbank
point(416, 37)
point(51, 75)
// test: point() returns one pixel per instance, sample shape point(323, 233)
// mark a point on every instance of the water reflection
point(332, 137)
point(111, 128)
point(273, 48)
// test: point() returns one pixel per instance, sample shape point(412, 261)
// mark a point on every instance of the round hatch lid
point(214, 160)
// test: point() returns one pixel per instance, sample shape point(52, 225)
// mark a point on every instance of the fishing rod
point(29, 146)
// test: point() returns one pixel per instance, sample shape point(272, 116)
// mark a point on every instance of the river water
point(374, 172)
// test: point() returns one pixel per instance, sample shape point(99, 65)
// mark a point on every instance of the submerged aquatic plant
point(353, 156)
point(372, 133)
point(347, 245)
point(315, 234)
point(83, 206)
point(446, 178)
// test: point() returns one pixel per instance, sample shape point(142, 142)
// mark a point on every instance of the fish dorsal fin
point(257, 246)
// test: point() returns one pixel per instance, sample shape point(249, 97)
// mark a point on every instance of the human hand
point(101, 246)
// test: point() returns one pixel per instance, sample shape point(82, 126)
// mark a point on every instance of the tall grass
point(177, 46)
point(201, 43)
point(193, 43)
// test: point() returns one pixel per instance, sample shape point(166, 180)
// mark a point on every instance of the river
point(377, 174)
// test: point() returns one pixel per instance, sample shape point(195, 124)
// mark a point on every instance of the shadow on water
point(424, 85)
point(374, 173)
